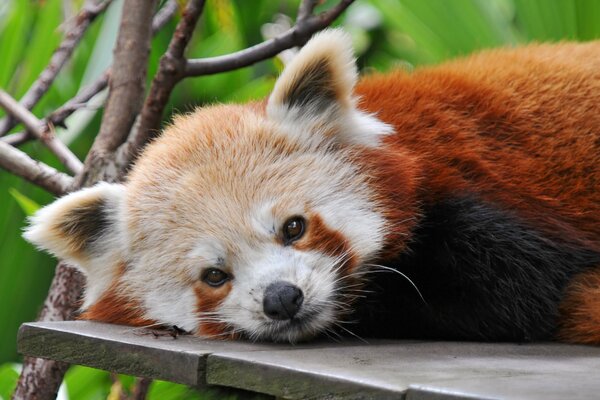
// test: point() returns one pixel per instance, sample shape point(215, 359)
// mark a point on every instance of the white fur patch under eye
point(172, 305)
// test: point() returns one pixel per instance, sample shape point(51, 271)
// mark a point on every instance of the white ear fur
point(82, 227)
point(314, 93)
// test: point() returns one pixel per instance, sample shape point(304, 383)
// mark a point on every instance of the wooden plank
point(122, 349)
point(382, 369)
point(416, 371)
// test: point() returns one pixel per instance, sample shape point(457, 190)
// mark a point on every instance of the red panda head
point(240, 219)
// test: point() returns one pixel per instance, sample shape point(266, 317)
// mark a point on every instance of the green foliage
point(28, 206)
point(84, 383)
point(387, 33)
point(9, 375)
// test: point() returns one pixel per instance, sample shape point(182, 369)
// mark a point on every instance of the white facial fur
point(227, 211)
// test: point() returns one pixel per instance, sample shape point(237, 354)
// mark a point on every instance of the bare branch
point(35, 126)
point(40, 379)
point(62, 54)
point(59, 116)
point(141, 388)
point(127, 85)
point(305, 10)
point(17, 162)
point(16, 139)
point(296, 36)
point(169, 73)
point(164, 15)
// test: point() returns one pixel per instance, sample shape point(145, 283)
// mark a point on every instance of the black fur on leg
point(484, 274)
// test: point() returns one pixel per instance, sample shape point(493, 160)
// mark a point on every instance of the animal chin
point(300, 328)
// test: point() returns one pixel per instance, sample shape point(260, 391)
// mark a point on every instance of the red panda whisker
point(350, 332)
point(326, 332)
point(383, 268)
point(141, 328)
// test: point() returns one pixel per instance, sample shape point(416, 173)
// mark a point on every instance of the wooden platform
point(381, 369)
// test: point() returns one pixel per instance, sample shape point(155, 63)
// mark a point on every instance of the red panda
point(459, 201)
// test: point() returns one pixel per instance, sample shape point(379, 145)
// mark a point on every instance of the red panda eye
point(214, 277)
point(293, 229)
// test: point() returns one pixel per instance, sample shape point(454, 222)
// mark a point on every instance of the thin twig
point(17, 162)
point(305, 10)
point(169, 73)
point(62, 54)
point(59, 116)
point(35, 126)
point(141, 388)
point(295, 36)
point(16, 139)
point(164, 15)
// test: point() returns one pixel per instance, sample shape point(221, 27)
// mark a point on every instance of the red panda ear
point(82, 227)
point(315, 92)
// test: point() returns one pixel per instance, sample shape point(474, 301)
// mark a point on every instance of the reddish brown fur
point(319, 237)
point(115, 308)
point(519, 128)
point(208, 300)
point(581, 309)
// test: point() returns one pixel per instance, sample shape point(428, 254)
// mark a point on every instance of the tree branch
point(126, 90)
point(16, 139)
point(169, 73)
point(34, 125)
point(40, 379)
point(295, 36)
point(164, 15)
point(17, 162)
point(305, 10)
point(62, 54)
point(141, 388)
point(58, 117)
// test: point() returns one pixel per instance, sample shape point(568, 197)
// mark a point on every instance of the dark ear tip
point(70, 226)
point(315, 88)
point(323, 73)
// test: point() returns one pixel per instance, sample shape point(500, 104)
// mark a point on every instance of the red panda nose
point(282, 300)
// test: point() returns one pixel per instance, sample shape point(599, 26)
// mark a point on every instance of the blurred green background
point(387, 34)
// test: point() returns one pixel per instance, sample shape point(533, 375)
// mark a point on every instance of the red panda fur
point(487, 190)
point(520, 128)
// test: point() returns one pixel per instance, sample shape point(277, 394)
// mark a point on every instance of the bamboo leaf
point(28, 206)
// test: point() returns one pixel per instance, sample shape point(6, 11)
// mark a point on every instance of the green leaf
point(8, 379)
point(28, 206)
point(84, 383)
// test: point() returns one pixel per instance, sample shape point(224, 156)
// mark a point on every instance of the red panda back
point(520, 127)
